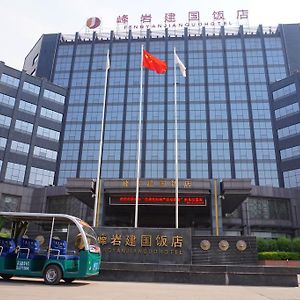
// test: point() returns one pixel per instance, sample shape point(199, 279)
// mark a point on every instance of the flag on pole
point(107, 61)
point(153, 63)
point(180, 64)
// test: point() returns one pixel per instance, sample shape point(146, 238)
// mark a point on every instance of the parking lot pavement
point(23, 289)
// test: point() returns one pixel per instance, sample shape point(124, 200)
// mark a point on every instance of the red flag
point(153, 63)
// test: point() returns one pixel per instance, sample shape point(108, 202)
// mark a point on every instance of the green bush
point(262, 245)
point(296, 244)
point(272, 245)
point(266, 245)
point(279, 255)
point(284, 244)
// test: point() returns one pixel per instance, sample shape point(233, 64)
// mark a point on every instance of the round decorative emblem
point(223, 245)
point(205, 245)
point(241, 245)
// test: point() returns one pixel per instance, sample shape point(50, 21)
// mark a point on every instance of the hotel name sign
point(170, 20)
point(144, 244)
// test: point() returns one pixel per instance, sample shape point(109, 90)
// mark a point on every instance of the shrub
point(266, 245)
point(262, 245)
point(272, 245)
point(284, 244)
point(279, 255)
point(296, 244)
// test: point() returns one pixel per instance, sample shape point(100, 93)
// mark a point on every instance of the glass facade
point(224, 120)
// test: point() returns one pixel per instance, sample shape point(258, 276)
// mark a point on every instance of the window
point(5, 121)
point(265, 149)
point(54, 96)
point(50, 114)
point(285, 91)
point(61, 79)
point(220, 150)
point(218, 111)
point(15, 172)
point(244, 170)
point(28, 107)
point(71, 150)
point(9, 80)
point(44, 153)
point(65, 50)
point(47, 133)
point(241, 130)
point(83, 49)
point(2, 143)
point(242, 150)
point(7, 100)
point(288, 153)
point(40, 177)
point(221, 170)
point(31, 88)
point(267, 173)
point(292, 178)
point(268, 209)
point(19, 147)
point(79, 79)
point(288, 131)
point(9, 203)
point(23, 126)
point(287, 110)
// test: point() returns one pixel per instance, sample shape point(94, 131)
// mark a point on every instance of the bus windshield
point(91, 237)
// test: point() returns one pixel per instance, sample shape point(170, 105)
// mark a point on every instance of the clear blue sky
point(22, 22)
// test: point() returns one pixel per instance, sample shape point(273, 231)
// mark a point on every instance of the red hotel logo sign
point(156, 200)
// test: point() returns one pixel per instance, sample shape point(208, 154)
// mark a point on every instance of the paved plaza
point(25, 289)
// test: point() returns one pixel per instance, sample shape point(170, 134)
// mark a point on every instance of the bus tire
point(6, 276)
point(52, 275)
point(68, 280)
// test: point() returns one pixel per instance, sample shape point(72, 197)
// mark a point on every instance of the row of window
point(23, 148)
point(31, 108)
point(154, 169)
point(27, 128)
point(290, 152)
point(16, 172)
point(285, 91)
point(159, 46)
point(31, 88)
point(289, 131)
point(287, 110)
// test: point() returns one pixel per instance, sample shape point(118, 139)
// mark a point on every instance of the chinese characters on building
point(170, 19)
point(146, 244)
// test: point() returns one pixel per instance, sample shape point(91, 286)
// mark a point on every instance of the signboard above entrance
point(158, 200)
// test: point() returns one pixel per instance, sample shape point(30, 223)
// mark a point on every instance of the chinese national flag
point(153, 63)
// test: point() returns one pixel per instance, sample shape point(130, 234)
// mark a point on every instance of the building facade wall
point(286, 107)
point(225, 122)
point(228, 127)
point(31, 122)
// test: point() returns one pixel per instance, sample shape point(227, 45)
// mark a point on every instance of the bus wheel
point(6, 276)
point(52, 274)
point(69, 280)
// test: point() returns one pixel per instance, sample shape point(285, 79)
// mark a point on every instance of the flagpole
point(176, 143)
point(97, 195)
point(138, 162)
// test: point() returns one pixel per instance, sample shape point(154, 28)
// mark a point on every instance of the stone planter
point(279, 263)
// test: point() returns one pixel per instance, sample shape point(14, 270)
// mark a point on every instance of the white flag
point(180, 65)
point(107, 61)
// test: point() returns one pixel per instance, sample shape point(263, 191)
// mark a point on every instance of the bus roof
point(40, 216)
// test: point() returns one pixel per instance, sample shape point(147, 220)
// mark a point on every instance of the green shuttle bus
point(51, 246)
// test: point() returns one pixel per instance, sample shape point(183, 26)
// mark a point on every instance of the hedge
point(279, 255)
point(281, 244)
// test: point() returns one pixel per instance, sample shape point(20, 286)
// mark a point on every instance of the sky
point(22, 22)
